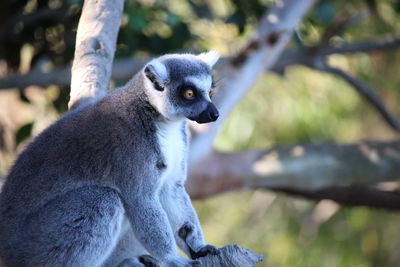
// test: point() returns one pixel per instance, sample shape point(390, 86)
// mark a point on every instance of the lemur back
point(120, 159)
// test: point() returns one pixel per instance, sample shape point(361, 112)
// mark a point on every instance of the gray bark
point(94, 51)
point(232, 256)
point(349, 174)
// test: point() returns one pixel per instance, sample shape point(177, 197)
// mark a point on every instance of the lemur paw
point(204, 251)
point(149, 261)
point(184, 232)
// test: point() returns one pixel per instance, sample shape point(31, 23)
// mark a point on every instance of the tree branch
point(341, 23)
point(313, 171)
point(94, 52)
point(384, 42)
point(365, 91)
point(352, 195)
point(123, 69)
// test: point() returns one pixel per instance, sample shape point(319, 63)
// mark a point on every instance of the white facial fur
point(157, 98)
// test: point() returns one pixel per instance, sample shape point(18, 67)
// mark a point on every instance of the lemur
point(105, 183)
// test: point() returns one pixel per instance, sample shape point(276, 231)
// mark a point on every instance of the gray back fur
point(91, 169)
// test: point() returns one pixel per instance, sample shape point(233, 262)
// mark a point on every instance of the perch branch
point(94, 51)
point(231, 256)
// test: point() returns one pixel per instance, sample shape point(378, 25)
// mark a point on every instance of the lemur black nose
point(207, 115)
point(213, 112)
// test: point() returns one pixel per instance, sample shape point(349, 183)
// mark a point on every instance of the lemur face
point(181, 86)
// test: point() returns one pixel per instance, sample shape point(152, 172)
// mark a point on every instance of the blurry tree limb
point(384, 42)
point(123, 69)
point(341, 23)
point(351, 195)
point(365, 91)
point(316, 58)
point(94, 51)
point(308, 55)
point(323, 171)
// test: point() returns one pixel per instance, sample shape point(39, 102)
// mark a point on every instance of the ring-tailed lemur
point(106, 182)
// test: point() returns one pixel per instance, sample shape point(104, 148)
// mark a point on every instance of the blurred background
point(296, 105)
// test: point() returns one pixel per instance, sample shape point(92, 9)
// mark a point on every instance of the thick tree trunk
point(94, 51)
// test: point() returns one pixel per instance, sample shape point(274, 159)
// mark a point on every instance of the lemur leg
point(128, 248)
point(184, 221)
point(129, 252)
point(152, 229)
point(79, 228)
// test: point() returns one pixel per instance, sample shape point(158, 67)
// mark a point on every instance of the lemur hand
point(184, 232)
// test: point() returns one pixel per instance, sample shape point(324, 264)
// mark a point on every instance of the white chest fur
point(173, 148)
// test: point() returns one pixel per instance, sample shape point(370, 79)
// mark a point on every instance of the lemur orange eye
point(188, 94)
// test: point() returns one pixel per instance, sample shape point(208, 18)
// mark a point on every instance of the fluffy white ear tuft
point(210, 57)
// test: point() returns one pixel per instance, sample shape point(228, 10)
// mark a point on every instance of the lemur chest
point(171, 139)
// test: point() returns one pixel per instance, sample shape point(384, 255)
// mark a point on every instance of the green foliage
point(152, 29)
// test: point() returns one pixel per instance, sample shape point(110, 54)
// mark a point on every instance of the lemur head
point(180, 85)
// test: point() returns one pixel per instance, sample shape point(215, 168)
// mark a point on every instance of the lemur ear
point(210, 57)
point(156, 72)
